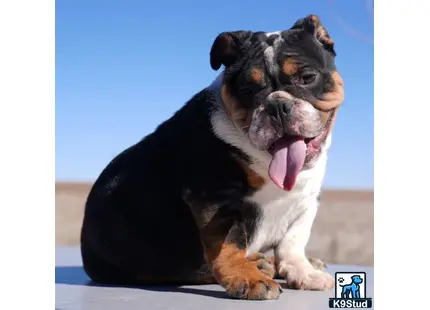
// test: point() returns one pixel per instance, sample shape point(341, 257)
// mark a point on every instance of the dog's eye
point(308, 78)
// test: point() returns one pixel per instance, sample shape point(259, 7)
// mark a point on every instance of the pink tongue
point(288, 159)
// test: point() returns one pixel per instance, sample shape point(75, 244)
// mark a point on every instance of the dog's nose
point(280, 110)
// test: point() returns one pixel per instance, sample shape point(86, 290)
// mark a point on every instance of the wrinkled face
point(282, 89)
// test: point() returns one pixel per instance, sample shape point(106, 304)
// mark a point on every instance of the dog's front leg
point(291, 260)
point(224, 241)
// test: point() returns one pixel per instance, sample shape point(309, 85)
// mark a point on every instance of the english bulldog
point(235, 172)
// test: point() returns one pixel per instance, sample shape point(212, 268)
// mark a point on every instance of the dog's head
point(283, 90)
point(356, 279)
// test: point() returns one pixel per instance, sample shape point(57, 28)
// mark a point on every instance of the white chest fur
point(280, 209)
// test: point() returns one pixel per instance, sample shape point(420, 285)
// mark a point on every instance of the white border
point(402, 165)
point(402, 159)
point(27, 98)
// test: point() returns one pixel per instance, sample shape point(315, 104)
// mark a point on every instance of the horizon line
point(338, 188)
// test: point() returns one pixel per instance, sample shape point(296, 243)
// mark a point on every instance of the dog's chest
point(279, 209)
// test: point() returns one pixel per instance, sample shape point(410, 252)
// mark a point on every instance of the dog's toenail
point(244, 289)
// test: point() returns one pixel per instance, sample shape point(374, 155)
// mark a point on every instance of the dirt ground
point(342, 232)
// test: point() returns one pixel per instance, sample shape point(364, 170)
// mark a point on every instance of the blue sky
point(122, 67)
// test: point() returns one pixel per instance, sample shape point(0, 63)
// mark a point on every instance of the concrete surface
point(73, 291)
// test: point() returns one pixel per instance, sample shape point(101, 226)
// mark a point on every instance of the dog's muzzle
point(297, 117)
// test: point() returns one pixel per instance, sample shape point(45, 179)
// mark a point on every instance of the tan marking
point(257, 75)
point(229, 103)
point(315, 19)
point(322, 33)
point(333, 99)
point(255, 180)
point(337, 78)
point(240, 276)
point(265, 263)
point(240, 116)
point(228, 264)
point(289, 67)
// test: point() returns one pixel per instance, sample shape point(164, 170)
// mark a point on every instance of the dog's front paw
point(301, 276)
point(263, 263)
point(256, 287)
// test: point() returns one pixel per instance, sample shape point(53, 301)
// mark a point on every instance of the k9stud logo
point(350, 291)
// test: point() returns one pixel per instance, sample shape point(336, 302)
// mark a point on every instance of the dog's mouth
point(289, 155)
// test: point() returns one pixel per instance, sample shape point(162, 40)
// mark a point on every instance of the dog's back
point(136, 227)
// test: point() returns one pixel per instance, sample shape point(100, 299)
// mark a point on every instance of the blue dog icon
point(352, 290)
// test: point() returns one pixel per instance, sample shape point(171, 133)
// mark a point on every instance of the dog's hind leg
point(100, 271)
point(345, 292)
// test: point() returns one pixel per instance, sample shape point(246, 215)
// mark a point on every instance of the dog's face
point(356, 279)
point(283, 90)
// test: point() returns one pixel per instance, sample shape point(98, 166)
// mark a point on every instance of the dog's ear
point(228, 47)
point(313, 25)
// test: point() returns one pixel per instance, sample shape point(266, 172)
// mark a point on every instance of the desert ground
point(342, 232)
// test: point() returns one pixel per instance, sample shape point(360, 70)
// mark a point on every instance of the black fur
point(137, 227)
